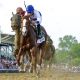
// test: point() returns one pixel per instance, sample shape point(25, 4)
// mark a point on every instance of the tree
point(68, 50)
point(75, 50)
point(66, 41)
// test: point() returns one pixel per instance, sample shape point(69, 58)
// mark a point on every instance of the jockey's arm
point(25, 17)
point(37, 18)
point(37, 21)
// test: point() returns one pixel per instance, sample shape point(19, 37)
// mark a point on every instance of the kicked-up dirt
point(45, 75)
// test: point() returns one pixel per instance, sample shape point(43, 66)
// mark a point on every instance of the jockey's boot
point(38, 31)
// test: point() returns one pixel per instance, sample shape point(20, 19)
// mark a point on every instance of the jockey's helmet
point(20, 10)
point(29, 8)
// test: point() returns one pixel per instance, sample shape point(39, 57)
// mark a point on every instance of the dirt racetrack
point(48, 75)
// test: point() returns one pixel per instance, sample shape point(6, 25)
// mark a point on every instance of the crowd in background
point(8, 63)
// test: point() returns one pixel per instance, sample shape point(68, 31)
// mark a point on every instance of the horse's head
point(15, 21)
point(26, 29)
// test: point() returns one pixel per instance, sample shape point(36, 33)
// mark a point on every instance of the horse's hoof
point(21, 72)
point(38, 75)
point(24, 70)
point(30, 71)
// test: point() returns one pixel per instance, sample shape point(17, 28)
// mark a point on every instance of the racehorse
point(41, 45)
point(16, 25)
point(49, 52)
point(30, 43)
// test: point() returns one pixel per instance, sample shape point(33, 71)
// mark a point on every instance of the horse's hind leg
point(41, 52)
point(40, 58)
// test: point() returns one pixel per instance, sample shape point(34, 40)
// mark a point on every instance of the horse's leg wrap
point(38, 70)
point(26, 65)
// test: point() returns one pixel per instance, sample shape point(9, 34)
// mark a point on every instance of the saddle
point(42, 38)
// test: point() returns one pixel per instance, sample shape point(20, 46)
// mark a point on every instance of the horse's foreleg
point(18, 56)
point(28, 61)
point(39, 62)
point(21, 63)
point(33, 55)
point(16, 42)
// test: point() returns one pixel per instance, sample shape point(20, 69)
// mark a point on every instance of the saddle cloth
point(41, 40)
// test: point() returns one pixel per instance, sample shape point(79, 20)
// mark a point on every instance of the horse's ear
point(12, 13)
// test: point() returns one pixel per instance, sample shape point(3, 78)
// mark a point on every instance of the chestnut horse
point(28, 41)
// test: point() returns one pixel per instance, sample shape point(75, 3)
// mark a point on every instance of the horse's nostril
point(14, 25)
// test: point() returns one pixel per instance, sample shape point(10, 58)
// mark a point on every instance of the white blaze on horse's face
point(24, 22)
point(24, 31)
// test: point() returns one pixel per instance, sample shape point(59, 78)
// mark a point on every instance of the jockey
point(35, 18)
point(19, 10)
